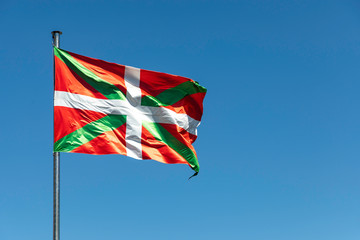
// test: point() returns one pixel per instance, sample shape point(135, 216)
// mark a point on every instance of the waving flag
point(108, 108)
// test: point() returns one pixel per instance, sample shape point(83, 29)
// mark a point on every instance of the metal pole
point(56, 209)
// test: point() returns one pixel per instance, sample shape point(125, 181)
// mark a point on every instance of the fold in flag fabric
point(108, 108)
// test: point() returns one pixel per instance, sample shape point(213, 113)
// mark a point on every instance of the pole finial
point(54, 32)
point(56, 38)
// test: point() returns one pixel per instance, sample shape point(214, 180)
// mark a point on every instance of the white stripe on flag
point(133, 121)
point(132, 83)
point(122, 107)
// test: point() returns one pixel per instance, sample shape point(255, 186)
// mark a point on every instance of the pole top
point(56, 38)
point(55, 32)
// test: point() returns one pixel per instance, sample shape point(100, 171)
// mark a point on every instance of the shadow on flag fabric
point(108, 108)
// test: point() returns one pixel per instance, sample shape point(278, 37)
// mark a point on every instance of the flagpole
point(56, 199)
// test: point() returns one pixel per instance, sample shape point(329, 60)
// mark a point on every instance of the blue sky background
point(279, 141)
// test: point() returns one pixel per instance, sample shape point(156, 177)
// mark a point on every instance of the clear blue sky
point(279, 142)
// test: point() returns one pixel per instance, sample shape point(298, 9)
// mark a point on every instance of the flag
point(108, 108)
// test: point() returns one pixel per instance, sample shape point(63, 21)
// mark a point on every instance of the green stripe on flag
point(162, 135)
point(104, 87)
point(89, 132)
point(173, 95)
